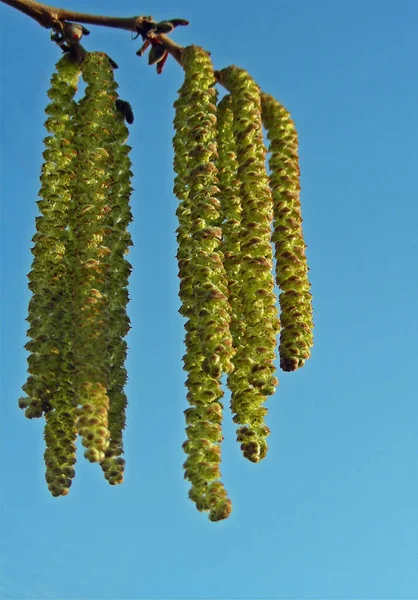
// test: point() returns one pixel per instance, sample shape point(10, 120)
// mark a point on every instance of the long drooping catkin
point(246, 400)
point(296, 338)
point(203, 287)
point(253, 377)
point(93, 241)
point(119, 240)
point(49, 387)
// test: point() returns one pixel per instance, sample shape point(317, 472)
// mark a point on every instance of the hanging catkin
point(49, 386)
point(246, 400)
point(117, 218)
point(296, 338)
point(253, 378)
point(203, 287)
point(94, 239)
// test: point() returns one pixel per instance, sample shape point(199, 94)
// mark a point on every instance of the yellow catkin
point(49, 386)
point(248, 410)
point(254, 374)
point(119, 239)
point(203, 286)
point(94, 243)
point(296, 338)
point(209, 279)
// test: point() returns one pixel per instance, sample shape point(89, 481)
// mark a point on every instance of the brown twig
point(49, 16)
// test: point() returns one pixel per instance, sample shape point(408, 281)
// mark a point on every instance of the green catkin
point(246, 400)
point(209, 279)
point(47, 278)
point(49, 386)
point(93, 243)
point(120, 239)
point(203, 285)
point(254, 375)
point(296, 338)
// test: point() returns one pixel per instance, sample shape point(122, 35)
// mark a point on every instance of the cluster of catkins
point(231, 213)
point(79, 276)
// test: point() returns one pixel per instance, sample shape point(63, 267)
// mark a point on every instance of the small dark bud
point(164, 27)
point(112, 62)
point(177, 22)
point(126, 109)
point(161, 63)
point(156, 54)
point(144, 47)
point(73, 32)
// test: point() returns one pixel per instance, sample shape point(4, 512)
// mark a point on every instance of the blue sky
point(331, 513)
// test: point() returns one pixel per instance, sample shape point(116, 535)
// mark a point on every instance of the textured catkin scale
point(255, 305)
point(94, 282)
point(60, 452)
point(49, 386)
point(231, 213)
point(296, 338)
point(203, 285)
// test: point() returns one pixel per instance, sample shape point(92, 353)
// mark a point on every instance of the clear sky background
point(332, 511)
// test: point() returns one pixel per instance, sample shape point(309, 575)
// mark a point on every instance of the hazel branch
point(50, 16)
point(47, 16)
